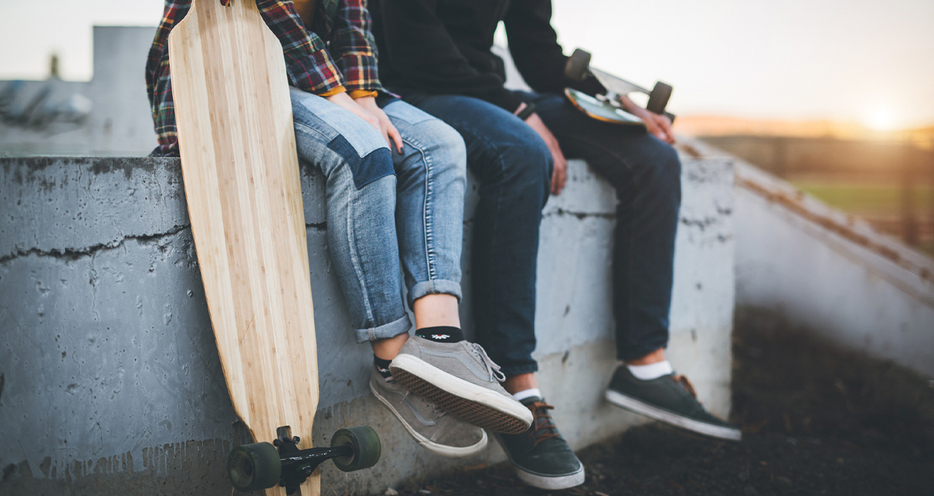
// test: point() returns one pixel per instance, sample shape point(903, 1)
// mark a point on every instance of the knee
point(659, 170)
point(446, 150)
point(362, 169)
point(527, 166)
point(378, 195)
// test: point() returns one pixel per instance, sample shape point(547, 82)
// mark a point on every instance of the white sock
point(650, 371)
point(521, 395)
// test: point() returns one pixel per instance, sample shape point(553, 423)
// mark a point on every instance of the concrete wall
point(799, 260)
point(110, 380)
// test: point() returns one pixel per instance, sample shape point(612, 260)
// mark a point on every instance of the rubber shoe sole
point(471, 403)
point(432, 447)
point(545, 481)
point(674, 419)
point(550, 482)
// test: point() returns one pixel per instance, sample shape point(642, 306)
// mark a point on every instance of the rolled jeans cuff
point(519, 369)
point(385, 331)
point(438, 286)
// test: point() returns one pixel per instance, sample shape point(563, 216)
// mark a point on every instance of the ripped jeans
point(385, 208)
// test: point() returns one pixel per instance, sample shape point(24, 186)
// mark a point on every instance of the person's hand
point(559, 176)
point(388, 131)
point(658, 125)
point(343, 100)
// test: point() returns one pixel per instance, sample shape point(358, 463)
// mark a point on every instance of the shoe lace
point(491, 367)
point(680, 379)
point(542, 426)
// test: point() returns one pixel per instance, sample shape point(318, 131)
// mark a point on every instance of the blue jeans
point(514, 166)
point(383, 207)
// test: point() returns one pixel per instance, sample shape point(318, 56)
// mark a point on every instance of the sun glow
point(880, 117)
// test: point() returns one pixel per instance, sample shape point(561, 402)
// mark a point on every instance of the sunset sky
point(864, 61)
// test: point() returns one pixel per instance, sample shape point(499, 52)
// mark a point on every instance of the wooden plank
point(242, 185)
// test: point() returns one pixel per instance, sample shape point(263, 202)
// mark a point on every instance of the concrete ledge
point(108, 369)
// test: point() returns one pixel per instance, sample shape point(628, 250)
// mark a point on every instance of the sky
point(865, 61)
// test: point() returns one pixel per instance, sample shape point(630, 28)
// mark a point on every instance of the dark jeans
point(513, 167)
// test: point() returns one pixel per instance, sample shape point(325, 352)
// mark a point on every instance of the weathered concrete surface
point(830, 273)
point(110, 380)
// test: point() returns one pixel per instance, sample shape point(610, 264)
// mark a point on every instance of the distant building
point(107, 116)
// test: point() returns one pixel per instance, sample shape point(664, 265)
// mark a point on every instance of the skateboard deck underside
point(243, 190)
point(601, 111)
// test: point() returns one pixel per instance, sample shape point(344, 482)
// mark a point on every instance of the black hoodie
point(443, 47)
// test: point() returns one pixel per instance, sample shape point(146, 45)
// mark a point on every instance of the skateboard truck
point(263, 465)
point(578, 68)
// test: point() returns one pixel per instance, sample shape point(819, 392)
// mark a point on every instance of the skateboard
point(606, 107)
point(242, 186)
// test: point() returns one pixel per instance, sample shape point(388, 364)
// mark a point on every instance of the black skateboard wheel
point(658, 98)
point(254, 466)
point(366, 448)
point(578, 65)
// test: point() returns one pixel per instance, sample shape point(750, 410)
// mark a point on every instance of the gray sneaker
point(670, 399)
point(432, 428)
point(461, 379)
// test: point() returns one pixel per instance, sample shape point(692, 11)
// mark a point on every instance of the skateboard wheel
point(366, 448)
point(577, 65)
point(254, 466)
point(658, 98)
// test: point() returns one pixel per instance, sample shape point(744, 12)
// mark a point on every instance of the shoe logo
point(439, 337)
point(421, 418)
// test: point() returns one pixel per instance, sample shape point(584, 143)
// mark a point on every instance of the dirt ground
point(815, 421)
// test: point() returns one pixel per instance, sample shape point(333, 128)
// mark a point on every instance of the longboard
point(242, 184)
point(601, 109)
point(606, 107)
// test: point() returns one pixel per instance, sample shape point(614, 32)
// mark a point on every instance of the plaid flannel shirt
point(341, 29)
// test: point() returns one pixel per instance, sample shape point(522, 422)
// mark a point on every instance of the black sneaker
point(541, 456)
point(670, 399)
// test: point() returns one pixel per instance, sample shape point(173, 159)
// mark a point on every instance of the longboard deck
point(601, 111)
point(242, 184)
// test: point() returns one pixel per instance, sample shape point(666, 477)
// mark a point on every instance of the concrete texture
point(110, 380)
point(830, 273)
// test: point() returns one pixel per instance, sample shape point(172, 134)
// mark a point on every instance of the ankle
point(653, 357)
point(387, 349)
point(650, 371)
point(520, 382)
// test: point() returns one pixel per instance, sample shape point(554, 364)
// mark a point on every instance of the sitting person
point(436, 55)
point(395, 180)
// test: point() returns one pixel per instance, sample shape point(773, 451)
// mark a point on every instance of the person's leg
point(438, 363)
point(361, 200)
point(646, 173)
point(513, 167)
point(361, 197)
point(432, 176)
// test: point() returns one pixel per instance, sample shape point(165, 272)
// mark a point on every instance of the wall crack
point(72, 254)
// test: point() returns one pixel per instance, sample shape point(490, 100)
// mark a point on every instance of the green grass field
point(868, 199)
point(879, 203)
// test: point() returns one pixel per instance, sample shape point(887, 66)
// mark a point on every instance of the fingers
point(665, 125)
point(559, 175)
point(396, 137)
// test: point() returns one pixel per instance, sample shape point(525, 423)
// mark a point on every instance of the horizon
point(844, 62)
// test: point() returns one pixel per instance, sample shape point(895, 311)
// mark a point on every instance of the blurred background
point(799, 121)
point(832, 95)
